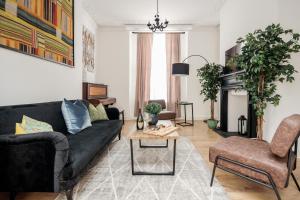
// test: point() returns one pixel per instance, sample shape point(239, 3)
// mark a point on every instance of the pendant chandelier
point(157, 25)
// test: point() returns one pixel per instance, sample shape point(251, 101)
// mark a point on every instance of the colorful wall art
point(41, 28)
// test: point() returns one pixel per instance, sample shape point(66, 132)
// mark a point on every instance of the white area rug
point(111, 178)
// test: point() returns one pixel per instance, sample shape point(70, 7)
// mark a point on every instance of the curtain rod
point(157, 32)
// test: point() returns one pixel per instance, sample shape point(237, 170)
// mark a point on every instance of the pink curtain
point(144, 48)
point(173, 82)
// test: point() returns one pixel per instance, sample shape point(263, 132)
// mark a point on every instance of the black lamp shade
point(180, 69)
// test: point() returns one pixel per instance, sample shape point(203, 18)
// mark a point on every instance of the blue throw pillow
point(76, 116)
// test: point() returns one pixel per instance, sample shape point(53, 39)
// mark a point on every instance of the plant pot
point(153, 120)
point(212, 124)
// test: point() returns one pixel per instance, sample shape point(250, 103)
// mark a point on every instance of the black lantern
point(242, 125)
point(140, 121)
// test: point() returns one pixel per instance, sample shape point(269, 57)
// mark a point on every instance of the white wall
point(25, 79)
point(239, 17)
point(201, 41)
point(132, 73)
point(113, 63)
point(289, 16)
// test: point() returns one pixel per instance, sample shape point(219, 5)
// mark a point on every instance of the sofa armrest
point(32, 162)
point(113, 113)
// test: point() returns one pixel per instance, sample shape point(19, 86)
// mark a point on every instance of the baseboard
point(200, 118)
point(203, 117)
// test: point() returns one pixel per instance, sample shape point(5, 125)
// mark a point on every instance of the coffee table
point(139, 136)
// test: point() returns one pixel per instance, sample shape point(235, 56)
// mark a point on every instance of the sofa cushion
point(10, 115)
point(76, 116)
point(286, 134)
point(30, 125)
point(166, 115)
point(97, 113)
point(254, 153)
point(85, 145)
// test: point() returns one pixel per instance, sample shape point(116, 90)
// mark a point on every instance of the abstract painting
point(88, 57)
point(41, 28)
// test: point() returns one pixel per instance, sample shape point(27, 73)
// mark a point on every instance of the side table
point(184, 104)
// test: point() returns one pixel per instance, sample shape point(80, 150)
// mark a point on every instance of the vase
point(140, 121)
point(212, 124)
point(153, 120)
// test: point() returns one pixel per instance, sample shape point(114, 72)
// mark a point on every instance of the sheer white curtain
point(158, 80)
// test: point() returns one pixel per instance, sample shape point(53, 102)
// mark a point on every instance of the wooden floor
point(202, 138)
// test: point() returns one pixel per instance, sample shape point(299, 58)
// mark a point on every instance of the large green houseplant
point(209, 77)
point(265, 56)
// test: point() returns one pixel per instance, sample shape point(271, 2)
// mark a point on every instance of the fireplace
point(231, 83)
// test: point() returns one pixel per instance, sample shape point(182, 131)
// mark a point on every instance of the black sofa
point(49, 161)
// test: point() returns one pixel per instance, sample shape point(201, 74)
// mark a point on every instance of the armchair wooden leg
point(69, 194)
point(295, 180)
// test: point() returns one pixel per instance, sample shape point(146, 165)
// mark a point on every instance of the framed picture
point(88, 56)
point(40, 28)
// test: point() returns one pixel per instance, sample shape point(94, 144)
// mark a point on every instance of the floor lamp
point(183, 69)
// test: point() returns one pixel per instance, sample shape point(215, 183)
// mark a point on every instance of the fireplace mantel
point(231, 82)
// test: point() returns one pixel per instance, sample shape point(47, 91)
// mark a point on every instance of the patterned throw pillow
point(97, 113)
point(19, 129)
point(30, 125)
point(76, 116)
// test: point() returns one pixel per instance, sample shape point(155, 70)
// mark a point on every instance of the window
point(158, 78)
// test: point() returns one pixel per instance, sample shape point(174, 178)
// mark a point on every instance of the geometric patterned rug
point(111, 179)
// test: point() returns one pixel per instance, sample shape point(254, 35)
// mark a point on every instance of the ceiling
point(122, 12)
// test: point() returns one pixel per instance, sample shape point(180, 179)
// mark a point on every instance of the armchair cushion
point(286, 133)
point(160, 102)
point(166, 115)
point(254, 153)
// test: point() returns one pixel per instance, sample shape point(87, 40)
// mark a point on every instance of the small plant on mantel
point(209, 77)
point(265, 56)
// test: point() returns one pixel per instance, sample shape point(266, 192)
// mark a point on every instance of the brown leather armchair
point(268, 164)
point(164, 114)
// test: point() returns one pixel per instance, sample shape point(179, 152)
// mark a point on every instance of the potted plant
point(265, 59)
point(153, 109)
point(209, 77)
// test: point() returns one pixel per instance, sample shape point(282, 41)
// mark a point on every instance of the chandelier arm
point(158, 25)
point(195, 56)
